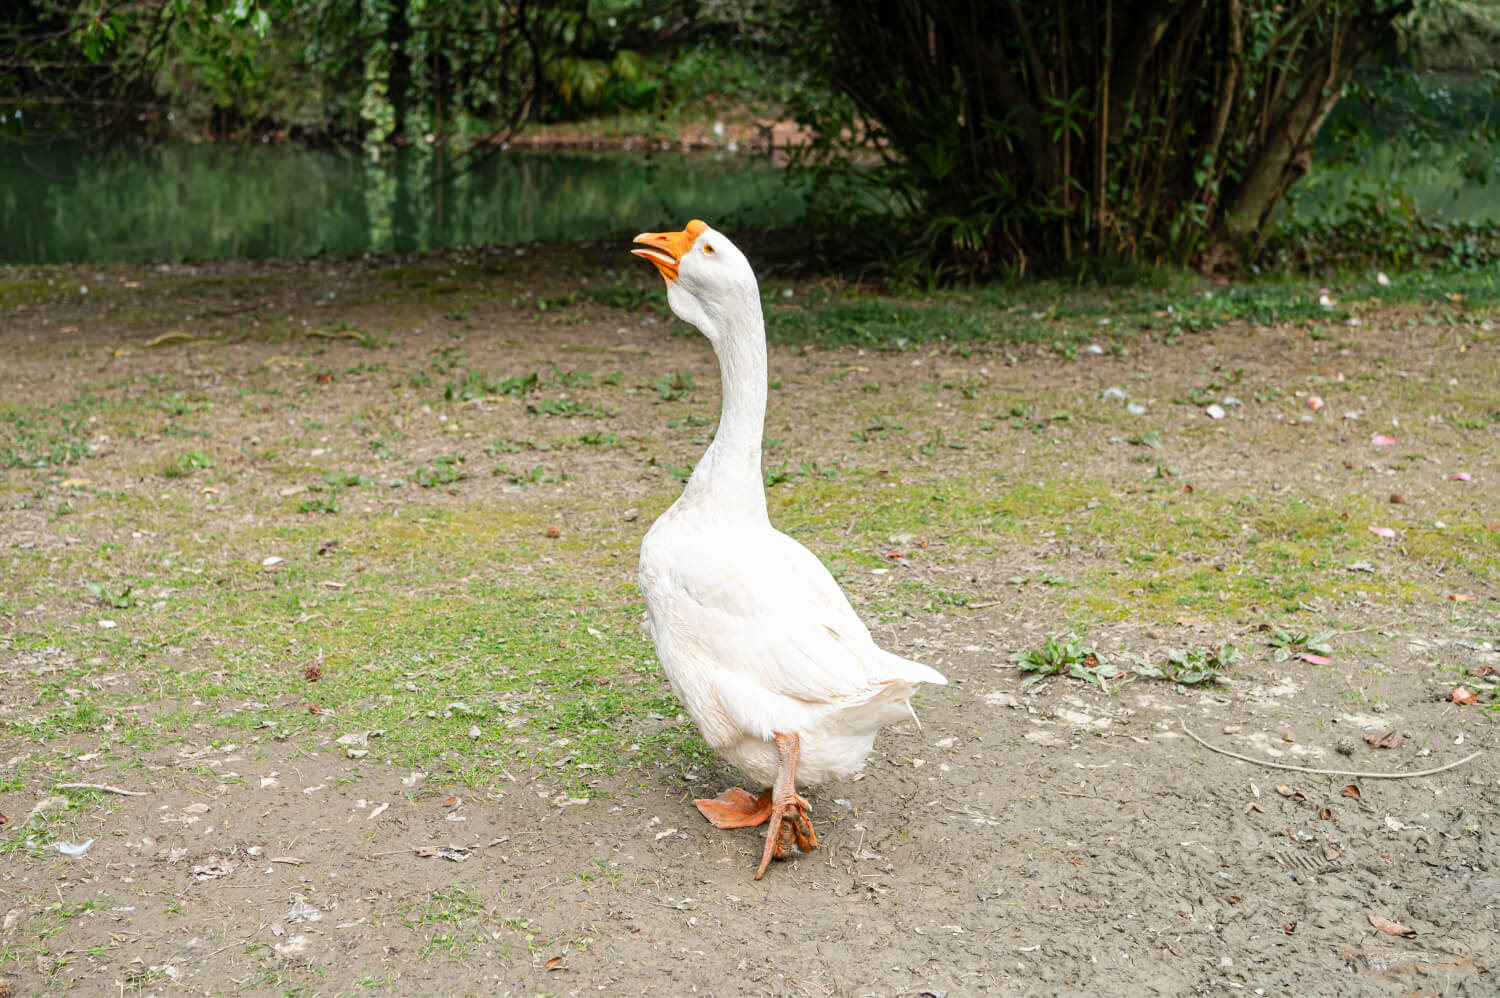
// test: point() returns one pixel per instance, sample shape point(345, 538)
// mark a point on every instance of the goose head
point(710, 284)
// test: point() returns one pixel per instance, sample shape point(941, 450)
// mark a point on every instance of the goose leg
point(789, 822)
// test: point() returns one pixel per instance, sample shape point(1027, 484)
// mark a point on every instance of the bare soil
point(1056, 839)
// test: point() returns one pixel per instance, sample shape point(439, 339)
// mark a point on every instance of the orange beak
point(666, 249)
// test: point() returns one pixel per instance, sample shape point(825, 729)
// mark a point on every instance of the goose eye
point(707, 248)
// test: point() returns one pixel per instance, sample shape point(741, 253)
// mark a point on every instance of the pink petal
point(1460, 476)
point(1381, 440)
point(1309, 657)
point(1314, 403)
point(1385, 532)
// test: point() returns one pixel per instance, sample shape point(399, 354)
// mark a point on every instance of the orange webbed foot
point(736, 808)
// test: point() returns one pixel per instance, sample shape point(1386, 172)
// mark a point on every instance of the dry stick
point(103, 787)
point(1325, 772)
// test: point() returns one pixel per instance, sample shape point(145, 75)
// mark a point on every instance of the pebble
point(1231, 729)
point(1345, 746)
point(1287, 736)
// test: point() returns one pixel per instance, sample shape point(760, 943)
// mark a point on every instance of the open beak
point(666, 249)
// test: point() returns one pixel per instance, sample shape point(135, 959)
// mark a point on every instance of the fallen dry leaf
point(1389, 927)
point(453, 801)
point(313, 673)
point(1326, 813)
point(1312, 659)
point(1464, 696)
point(1352, 791)
point(556, 963)
point(313, 708)
point(1252, 806)
point(1289, 793)
point(1461, 597)
point(1193, 622)
point(1391, 739)
point(554, 532)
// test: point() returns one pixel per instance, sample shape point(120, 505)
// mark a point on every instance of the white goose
point(756, 637)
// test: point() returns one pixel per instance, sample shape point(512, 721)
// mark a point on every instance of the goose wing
point(764, 612)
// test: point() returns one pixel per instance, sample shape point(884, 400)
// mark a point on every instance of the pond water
point(136, 202)
point(72, 203)
point(1438, 186)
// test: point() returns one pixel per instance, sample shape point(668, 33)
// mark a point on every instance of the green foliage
point(1039, 131)
point(1068, 657)
point(1191, 667)
point(1293, 644)
point(115, 599)
point(392, 71)
point(674, 386)
point(445, 470)
point(1401, 179)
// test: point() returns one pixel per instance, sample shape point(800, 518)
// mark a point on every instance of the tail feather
point(894, 667)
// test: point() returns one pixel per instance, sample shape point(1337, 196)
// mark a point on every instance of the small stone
point(1287, 736)
point(1345, 746)
point(1231, 729)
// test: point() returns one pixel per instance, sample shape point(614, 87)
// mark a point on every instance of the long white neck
point(729, 472)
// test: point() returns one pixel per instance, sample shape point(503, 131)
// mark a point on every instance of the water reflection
point(133, 203)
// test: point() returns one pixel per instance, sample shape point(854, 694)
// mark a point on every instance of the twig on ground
point(103, 788)
point(1326, 772)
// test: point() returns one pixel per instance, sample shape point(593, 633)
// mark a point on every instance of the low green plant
point(184, 464)
point(1066, 657)
point(1191, 667)
point(673, 386)
point(1291, 644)
point(445, 471)
point(118, 599)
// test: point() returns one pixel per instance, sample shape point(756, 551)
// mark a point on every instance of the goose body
point(757, 639)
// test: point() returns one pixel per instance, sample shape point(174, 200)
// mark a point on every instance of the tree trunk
point(1286, 154)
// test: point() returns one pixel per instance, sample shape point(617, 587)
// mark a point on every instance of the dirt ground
point(1053, 839)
